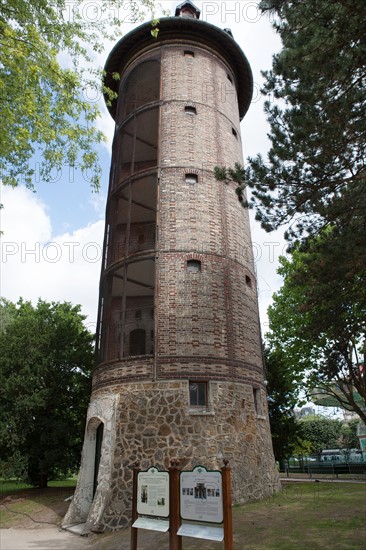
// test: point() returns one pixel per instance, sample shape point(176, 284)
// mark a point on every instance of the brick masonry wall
point(212, 313)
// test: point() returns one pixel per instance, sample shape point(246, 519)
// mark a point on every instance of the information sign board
point(153, 493)
point(201, 495)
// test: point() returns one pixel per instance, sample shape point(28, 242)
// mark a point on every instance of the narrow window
point(229, 78)
point(193, 266)
point(188, 53)
point(190, 110)
point(198, 394)
point(248, 280)
point(257, 400)
point(191, 178)
point(138, 314)
point(98, 452)
point(234, 132)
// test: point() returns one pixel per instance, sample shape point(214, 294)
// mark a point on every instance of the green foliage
point(46, 357)
point(314, 175)
point(349, 438)
point(322, 433)
point(155, 28)
point(47, 72)
point(316, 95)
point(318, 320)
point(283, 395)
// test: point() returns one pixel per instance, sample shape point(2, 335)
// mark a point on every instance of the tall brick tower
point(179, 366)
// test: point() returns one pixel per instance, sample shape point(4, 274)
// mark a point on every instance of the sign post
point(226, 500)
point(134, 531)
point(175, 541)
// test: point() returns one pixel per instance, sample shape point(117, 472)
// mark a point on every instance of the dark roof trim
point(187, 4)
point(180, 28)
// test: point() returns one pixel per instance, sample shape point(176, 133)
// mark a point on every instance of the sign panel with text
point(153, 493)
point(201, 495)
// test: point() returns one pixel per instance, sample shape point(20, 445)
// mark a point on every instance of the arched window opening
point(190, 110)
point(193, 266)
point(141, 86)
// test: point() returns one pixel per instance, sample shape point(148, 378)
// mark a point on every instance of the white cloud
point(37, 264)
point(68, 267)
point(267, 247)
point(21, 209)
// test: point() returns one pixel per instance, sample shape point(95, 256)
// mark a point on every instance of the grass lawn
point(24, 506)
point(304, 516)
point(13, 485)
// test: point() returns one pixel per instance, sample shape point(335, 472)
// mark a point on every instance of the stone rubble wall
point(154, 425)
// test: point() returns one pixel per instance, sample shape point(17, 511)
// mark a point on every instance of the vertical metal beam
point(175, 541)
point(227, 506)
point(136, 469)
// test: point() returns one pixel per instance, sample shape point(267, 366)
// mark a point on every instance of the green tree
point(314, 175)
point(318, 320)
point(47, 73)
point(283, 396)
point(46, 357)
point(322, 433)
point(284, 386)
point(349, 438)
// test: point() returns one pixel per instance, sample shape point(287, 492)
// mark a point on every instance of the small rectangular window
point(190, 110)
point(191, 178)
point(188, 53)
point(198, 394)
point(229, 78)
point(248, 281)
point(234, 132)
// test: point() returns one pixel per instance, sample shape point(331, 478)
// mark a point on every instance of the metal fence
point(313, 466)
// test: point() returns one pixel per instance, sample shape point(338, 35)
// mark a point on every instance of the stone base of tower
point(153, 422)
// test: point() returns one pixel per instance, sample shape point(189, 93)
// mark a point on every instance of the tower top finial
point(187, 9)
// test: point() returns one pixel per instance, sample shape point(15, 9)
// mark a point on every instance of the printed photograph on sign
point(144, 494)
point(201, 495)
point(153, 493)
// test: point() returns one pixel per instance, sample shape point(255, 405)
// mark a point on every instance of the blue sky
point(52, 242)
